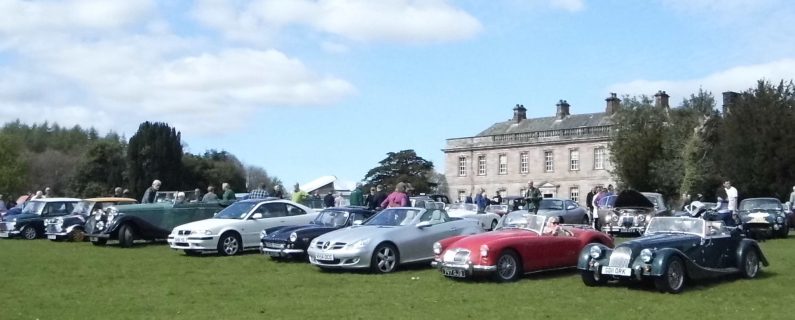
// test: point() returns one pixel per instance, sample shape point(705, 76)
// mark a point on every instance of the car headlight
point(293, 237)
point(359, 244)
point(780, 220)
point(484, 251)
point(201, 232)
point(263, 233)
point(100, 225)
point(437, 248)
point(595, 252)
point(641, 217)
point(646, 256)
point(614, 218)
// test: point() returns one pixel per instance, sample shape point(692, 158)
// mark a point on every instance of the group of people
point(532, 197)
point(11, 203)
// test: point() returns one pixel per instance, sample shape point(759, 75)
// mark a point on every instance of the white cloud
point(738, 79)
point(124, 67)
point(402, 21)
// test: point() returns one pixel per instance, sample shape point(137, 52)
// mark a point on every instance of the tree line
point(691, 149)
point(78, 162)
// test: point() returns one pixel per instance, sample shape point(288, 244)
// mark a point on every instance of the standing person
point(228, 195)
point(731, 194)
point(328, 200)
point(397, 198)
point(48, 193)
point(210, 196)
point(125, 193)
point(278, 192)
point(197, 195)
point(600, 193)
point(482, 200)
point(610, 191)
point(149, 194)
point(299, 196)
point(792, 199)
point(117, 192)
point(38, 195)
point(380, 196)
point(339, 200)
point(369, 199)
point(533, 197)
point(468, 199)
point(2, 204)
point(357, 198)
point(259, 193)
point(497, 198)
point(589, 200)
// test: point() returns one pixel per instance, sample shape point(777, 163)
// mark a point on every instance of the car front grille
point(459, 256)
point(183, 232)
point(54, 228)
point(274, 245)
point(328, 245)
point(620, 257)
point(3, 226)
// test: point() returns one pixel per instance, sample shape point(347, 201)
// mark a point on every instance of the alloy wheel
point(29, 233)
point(386, 259)
point(231, 245)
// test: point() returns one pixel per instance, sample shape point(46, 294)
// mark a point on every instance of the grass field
point(46, 280)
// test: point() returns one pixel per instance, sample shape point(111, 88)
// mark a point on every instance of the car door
point(274, 214)
point(296, 215)
point(418, 242)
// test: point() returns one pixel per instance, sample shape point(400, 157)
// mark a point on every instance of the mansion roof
point(548, 123)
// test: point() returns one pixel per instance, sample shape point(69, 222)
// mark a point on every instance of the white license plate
point(617, 271)
point(457, 273)
point(93, 239)
point(274, 254)
point(3, 234)
point(181, 239)
point(51, 237)
point(324, 256)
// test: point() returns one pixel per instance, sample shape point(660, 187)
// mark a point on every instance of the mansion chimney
point(729, 99)
point(613, 104)
point(661, 99)
point(519, 113)
point(563, 110)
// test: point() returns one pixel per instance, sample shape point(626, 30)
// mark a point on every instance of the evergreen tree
point(403, 166)
point(154, 152)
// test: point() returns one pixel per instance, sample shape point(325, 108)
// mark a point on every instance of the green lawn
point(46, 280)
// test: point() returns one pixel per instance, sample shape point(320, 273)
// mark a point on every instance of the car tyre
point(673, 279)
point(592, 278)
point(99, 241)
point(29, 232)
point(126, 236)
point(493, 224)
point(229, 244)
point(750, 267)
point(509, 267)
point(77, 235)
point(385, 258)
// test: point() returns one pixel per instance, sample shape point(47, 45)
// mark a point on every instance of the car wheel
point(126, 236)
point(99, 241)
point(784, 232)
point(592, 278)
point(385, 258)
point(673, 279)
point(493, 225)
point(77, 235)
point(509, 267)
point(29, 232)
point(193, 253)
point(750, 264)
point(229, 244)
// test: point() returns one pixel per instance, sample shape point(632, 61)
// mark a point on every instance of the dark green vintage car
point(672, 251)
point(763, 218)
point(149, 221)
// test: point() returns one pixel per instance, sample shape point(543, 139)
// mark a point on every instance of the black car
point(292, 241)
point(763, 218)
point(71, 227)
point(29, 223)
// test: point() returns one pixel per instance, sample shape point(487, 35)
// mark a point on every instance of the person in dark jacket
point(149, 194)
point(228, 195)
point(369, 199)
point(589, 199)
point(278, 192)
point(328, 200)
point(380, 196)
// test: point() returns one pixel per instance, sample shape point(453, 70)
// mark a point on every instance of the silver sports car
point(392, 237)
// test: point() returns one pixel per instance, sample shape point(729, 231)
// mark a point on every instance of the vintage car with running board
point(70, 227)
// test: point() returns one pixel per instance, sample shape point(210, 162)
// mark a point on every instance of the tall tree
point(636, 142)
point(256, 176)
point(402, 166)
point(101, 169)
point(13, 169)
point(154, 152)
point(213, 168)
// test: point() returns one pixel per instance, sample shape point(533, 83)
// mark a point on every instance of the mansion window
point(462, 195)
point(549, 162)
point(574, 194)
point(462, 166)
point(503, 164)
point(574, 160)
point(482, 165)
point(524, 166)
point(599, 158)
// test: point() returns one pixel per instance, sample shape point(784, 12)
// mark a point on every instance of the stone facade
point(565, 155)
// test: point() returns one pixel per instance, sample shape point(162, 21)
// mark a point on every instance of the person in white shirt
point(731, 194)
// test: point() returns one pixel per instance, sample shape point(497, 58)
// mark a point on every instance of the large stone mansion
point(565, 155)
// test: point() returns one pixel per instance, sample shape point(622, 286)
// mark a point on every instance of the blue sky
point(310, 88)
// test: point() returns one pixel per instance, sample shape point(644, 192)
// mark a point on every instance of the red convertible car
point(523, 243)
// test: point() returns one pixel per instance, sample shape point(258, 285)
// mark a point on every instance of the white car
point(488, 220)
point(238, 226)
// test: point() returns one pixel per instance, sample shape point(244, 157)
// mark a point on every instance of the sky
point(308, 88)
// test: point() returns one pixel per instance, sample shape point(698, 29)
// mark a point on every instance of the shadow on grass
point(647, 284)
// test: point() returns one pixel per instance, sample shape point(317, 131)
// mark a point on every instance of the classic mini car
point(148, 221)
point(71, 226)
point(570, 211)
point(763, 218)
point(238, 226)
point(672, 250)
point(292, 241)
point(29, 223)
point(488, 220)
point(499, 209)
point(631, 212)
point(392, 237)
point(523, 243)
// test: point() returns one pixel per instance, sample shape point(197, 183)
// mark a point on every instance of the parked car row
point(455, 241)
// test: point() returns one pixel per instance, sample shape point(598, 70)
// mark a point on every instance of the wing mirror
point(357, 222)
point(257, 216)
point(423, 224)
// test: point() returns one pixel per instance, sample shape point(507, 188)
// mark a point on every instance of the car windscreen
point(760, 204)
point(331, 218)
point(237, 210)
point(82, 207)
point(33, 207)
point(463, 206)
point(549, 204)
point(522, 220)
point(393, 217)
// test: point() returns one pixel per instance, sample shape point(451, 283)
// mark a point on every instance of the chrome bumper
point(280, 252)
point(469, 268)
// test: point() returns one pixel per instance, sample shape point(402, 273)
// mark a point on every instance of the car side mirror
point(257, 216)
point(423, 224)
point(357, 222)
